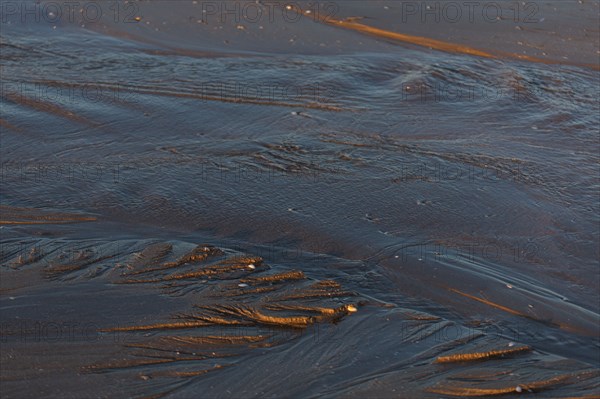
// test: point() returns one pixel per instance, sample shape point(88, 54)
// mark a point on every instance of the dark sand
point(356, 201)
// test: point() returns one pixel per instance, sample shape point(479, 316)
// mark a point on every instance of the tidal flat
point(349, 199)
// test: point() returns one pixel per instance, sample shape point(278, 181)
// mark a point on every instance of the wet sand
point(354, 200)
